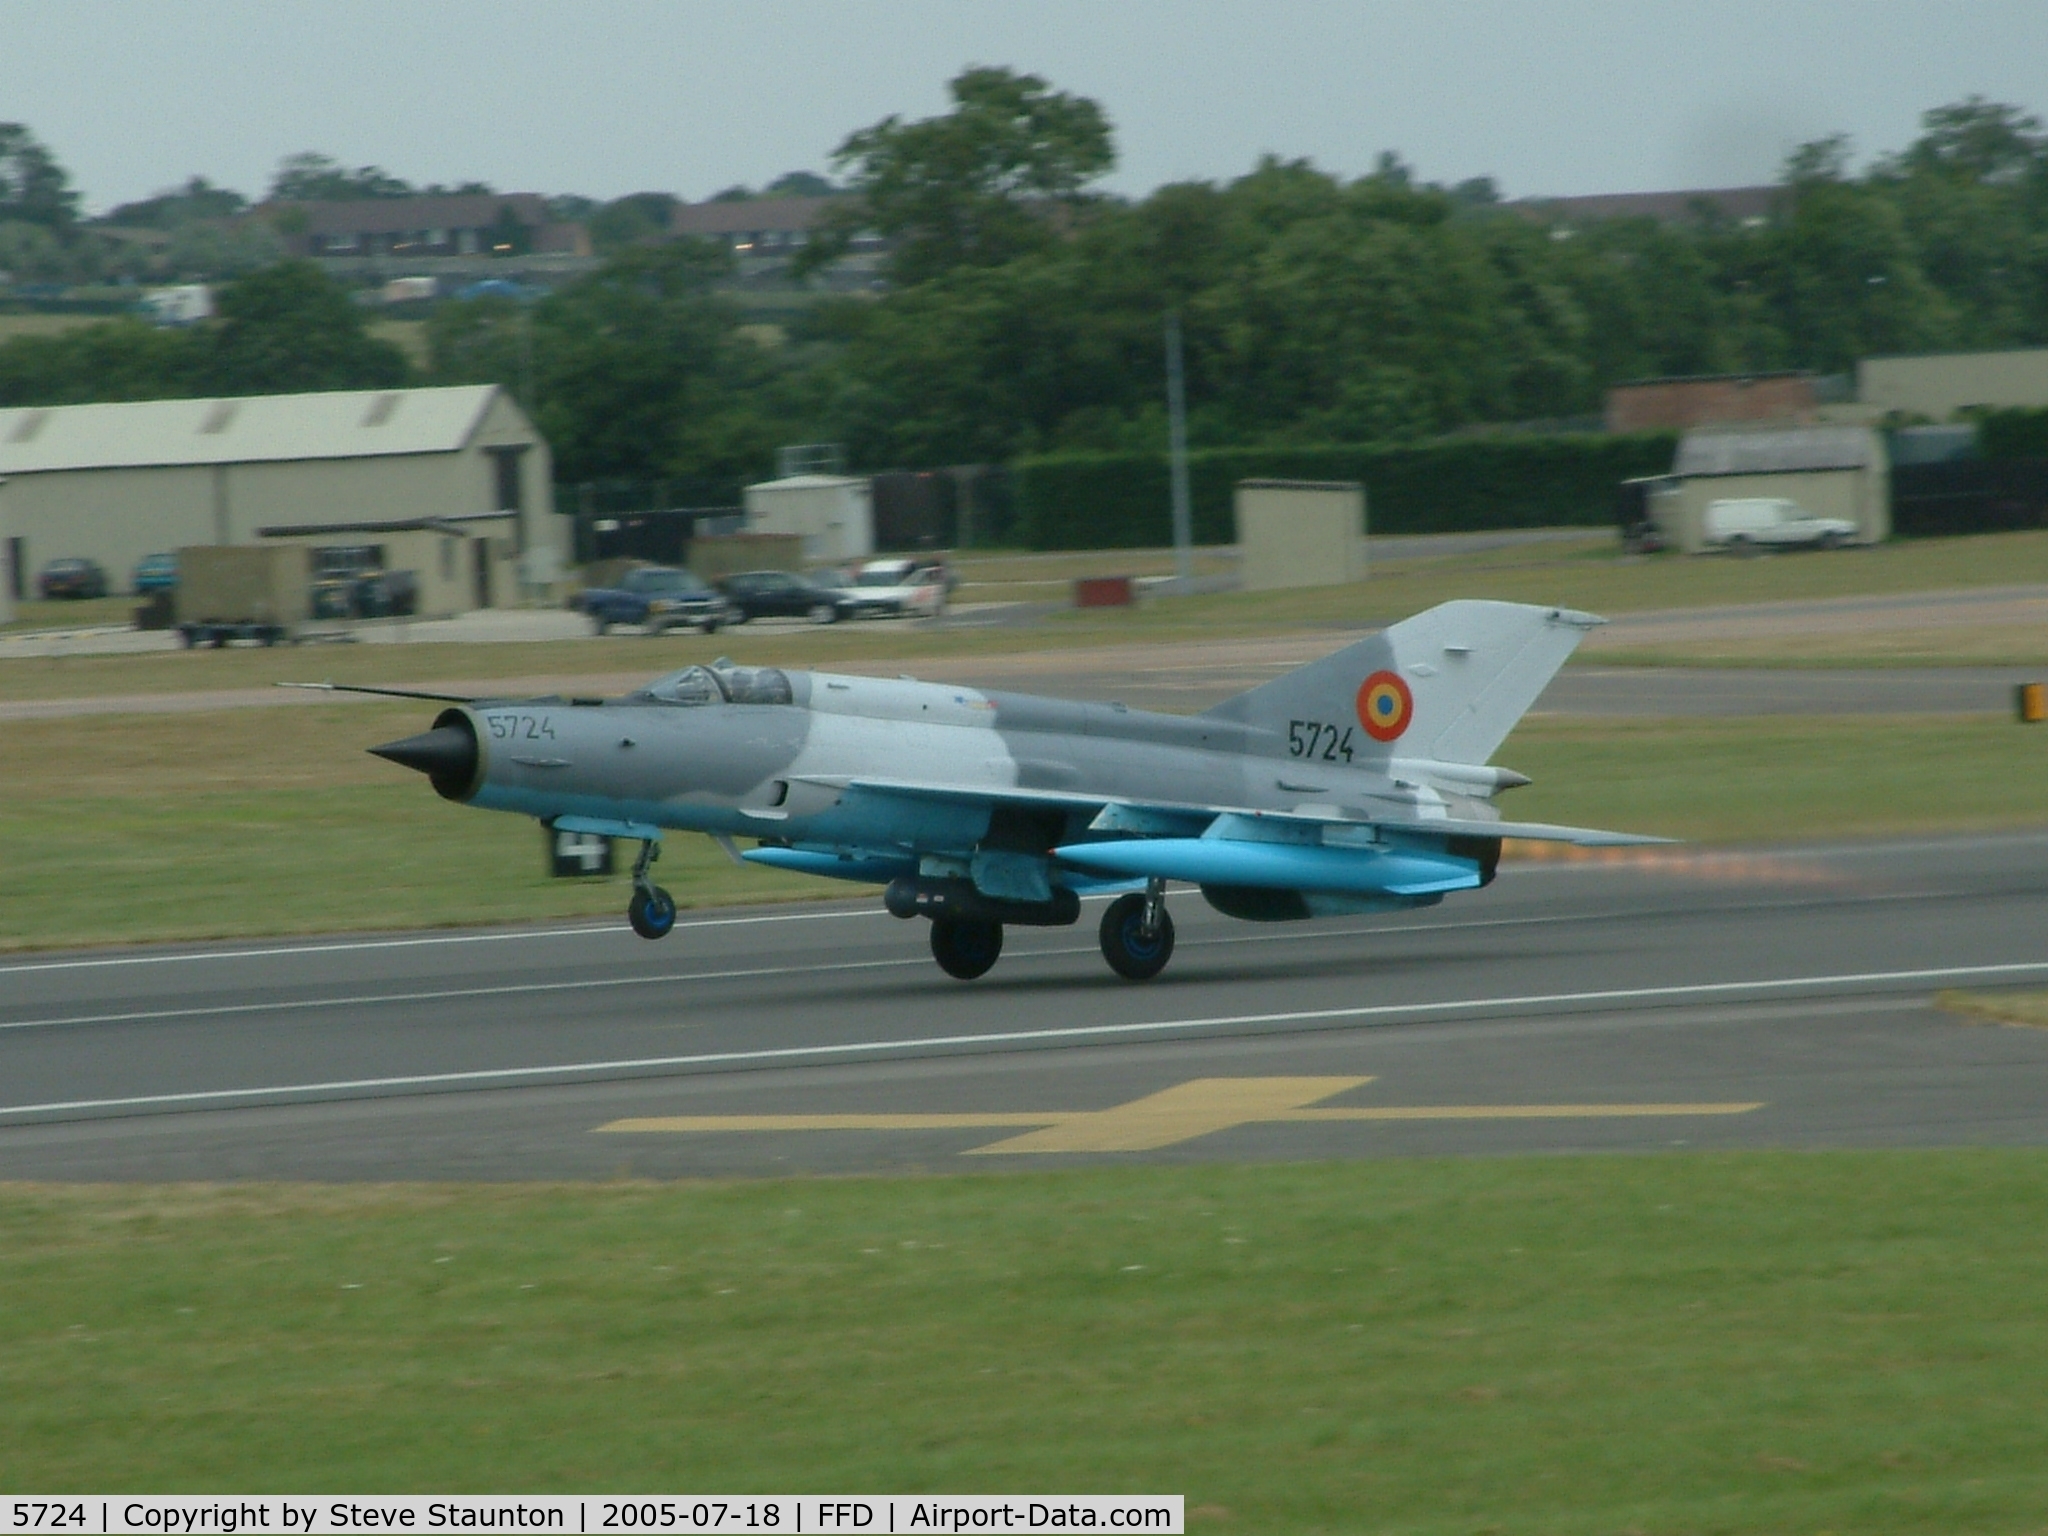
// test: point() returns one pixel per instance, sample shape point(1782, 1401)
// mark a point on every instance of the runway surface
point(1675, 998)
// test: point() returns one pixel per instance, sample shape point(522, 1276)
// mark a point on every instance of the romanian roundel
point(1385, 706)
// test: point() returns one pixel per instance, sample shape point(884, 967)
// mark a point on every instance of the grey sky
point(606, 97)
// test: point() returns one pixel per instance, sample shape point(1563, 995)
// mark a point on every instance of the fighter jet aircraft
point(1357, 783)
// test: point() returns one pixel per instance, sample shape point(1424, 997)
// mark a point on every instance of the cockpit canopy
point(720, 683)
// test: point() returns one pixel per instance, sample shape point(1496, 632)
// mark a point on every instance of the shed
point(116, 482)
point(833, 514)
point(1300, 533)
point(1829, 471)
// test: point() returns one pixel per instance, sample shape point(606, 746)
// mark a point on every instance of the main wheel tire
point(652, 913)
point(822, 613)
point(964, 947)
point(1131, 952)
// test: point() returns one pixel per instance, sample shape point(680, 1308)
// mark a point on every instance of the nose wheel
point(652, 911)
point(1137, 934)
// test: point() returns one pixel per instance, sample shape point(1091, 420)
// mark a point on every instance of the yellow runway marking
point(1173, 1115)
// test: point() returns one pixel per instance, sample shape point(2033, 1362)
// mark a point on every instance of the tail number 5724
point(1325, 743)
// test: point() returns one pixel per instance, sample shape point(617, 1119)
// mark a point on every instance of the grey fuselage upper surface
point(676, 758)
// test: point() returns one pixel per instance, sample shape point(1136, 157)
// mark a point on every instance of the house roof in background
point(251, 429)
point(398, 215)
point(755, 213)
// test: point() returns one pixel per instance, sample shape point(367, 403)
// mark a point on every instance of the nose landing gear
point(652, 911)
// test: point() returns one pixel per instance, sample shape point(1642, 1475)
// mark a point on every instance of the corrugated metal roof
point(346, 424)
point(1777, 451)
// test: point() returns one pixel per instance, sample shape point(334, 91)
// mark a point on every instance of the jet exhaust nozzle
point(446, 755)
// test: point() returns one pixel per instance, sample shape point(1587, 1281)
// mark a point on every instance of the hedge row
point(1121, 500)
point(2014, 434)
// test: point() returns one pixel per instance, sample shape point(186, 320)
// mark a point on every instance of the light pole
point(1177, 454)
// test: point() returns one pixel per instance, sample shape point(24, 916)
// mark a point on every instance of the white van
point(1771, 522)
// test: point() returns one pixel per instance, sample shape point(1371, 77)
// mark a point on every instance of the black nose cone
point(446, 754)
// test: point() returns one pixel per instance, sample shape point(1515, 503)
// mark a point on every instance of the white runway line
point(347, 946)
point(1076, 1033)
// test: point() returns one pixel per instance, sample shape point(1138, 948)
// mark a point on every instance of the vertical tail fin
point(1447, 684)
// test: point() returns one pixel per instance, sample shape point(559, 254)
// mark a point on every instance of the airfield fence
point(1121, 500)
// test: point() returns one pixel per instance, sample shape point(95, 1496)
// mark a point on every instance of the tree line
point(1020, 311)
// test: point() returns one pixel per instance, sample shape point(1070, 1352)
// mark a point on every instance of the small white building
point(1300, 533)
point(833, 514)
point(116, 482)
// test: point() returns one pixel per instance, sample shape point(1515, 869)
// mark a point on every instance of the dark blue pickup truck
point(657, 598)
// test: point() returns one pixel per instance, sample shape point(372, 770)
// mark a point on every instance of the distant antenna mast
point(1177, 453)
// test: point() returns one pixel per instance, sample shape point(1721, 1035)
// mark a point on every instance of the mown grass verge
point(122, 829)
point(1589, 575)
point(119, 829)
point(1727, 1343)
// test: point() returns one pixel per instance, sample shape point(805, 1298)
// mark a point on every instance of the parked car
point(658, 598)
point(1746, 524)
point(156, 573)
point(72, 578)
point(783, 595)
point(897, 589)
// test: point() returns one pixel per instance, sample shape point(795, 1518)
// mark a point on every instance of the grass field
point(73, 612)
point(1587, 574)
point(125, 828)
point(276, 821)
point(1984, 645)
point(1728, 1343)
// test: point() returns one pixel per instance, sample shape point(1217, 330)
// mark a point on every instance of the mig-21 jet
point(1358, 783)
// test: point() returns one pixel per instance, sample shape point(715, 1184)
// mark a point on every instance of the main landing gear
point(652, 911)
point(1137, 933)
point(1137, 938)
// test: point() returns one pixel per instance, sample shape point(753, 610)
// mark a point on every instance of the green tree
point(799, 184)
point(978, 186)
point(34, 188)
point(196, 201)
point(316, 178)
point(1973, 191)
point(631, 219)
point(290, 328)
point(628, 365)
point(29, 253)
point(115, 360)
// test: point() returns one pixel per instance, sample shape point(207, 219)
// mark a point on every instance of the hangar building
point(113, 483)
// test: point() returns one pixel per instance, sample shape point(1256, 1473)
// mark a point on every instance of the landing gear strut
point(1137, 933)
point(652, 911)
point(966, 947)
